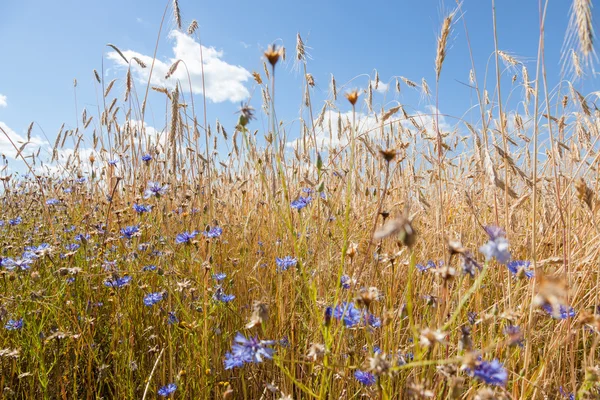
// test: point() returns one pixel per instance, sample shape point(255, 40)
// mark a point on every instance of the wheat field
point(393, 260)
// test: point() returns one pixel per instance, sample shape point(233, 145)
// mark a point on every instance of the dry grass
point(393, 219)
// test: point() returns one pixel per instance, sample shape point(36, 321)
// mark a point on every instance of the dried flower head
point(260, 314)
point(273, 53)
point(352, 97)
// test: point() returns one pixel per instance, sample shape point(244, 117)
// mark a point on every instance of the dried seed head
point(429, 337)
point(260, 314)
point(398, 226)
point(300, 51)
point(273, 53)
point(352, 97)
point(315, 352)
point(257, 77)
point(388, 154)
point(192, 28)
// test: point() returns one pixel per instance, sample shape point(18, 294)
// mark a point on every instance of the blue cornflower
point(113, 162)
point(146, 157)
point(213, 232)
point(345, 281)
point(372, 320)
point(307, 190)
point(82, 237)
point(10, 264)
point(515, 266)
point(16, 221)
point(497, 246)
point(52, 202)
point(172, 318)
point(72, 246)
point(430, 265)
point(152, 298)
point(81, 180)
point(570, 396)
point(283, 264)
point(141, 208)
point(219, 276)
point(167, 390)
point(492, 373)
point(220, 295)
point(348, 313)
point(149, 268)
point(117, 282)
point(155, 189)
point(560, 312)
point(301, 202)
point(14, 324)
point(251, 350)
point(68, 190)
point(366, 378)
point(130, 231)
point(185, 237)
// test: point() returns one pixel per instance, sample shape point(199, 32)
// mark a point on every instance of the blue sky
point(46, 45)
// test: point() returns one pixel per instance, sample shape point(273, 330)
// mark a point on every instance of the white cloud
point(366, 124)
point(379, 86)
point(223, 81)
point(8, 149)
point(3, 102)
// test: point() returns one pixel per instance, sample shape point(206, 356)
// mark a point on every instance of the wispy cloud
point(3, 102)
point(223, 81)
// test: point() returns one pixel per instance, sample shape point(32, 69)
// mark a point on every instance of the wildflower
point(213, 232)
point(283, 264)
point(52, 202)
point(301, 202)
point(520, 267)
point(251, 350)
point(492, 373)
point(515, 335)
point(140, 208)
point(560, 312)
point(220, 295)
point(172, 318)
point(469, 264)
point(497, 245)
point(345, 282)
point(327, 316)
point(16, 221)
point(167, 390)
point(152, 298)
point(130, 231)
point(82, 237)
point(113, 162)
point(14, 325)
point(118, 282)
point(246, 114)
point(423, 268)
point(10, 264)
point(185, 237)
point(146, 157)
point(366, 378)
point(219, 276)
point(81, 180)
point(155, 189)
point(348, 313)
